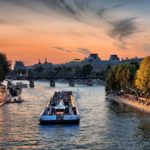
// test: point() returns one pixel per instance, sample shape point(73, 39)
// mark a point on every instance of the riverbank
point(3, 95)
point(131, 102)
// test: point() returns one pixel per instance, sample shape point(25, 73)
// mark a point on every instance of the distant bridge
point(69, 78)
point(55, 78)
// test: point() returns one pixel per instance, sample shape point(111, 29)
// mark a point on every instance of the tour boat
point(62, 109)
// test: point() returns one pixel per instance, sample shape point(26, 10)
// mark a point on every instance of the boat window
point(60, 110)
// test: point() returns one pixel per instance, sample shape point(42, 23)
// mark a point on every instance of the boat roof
point(60, 107)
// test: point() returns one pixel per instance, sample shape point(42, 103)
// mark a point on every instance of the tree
point(21, 71)
point(142, 81)
point(77, 71)
point(4, 66)
point(30, 73)
point(120, 77)
point(111, 84)
point(57, 70)
point(39, 69)
point(136, 64)
point(87, 70)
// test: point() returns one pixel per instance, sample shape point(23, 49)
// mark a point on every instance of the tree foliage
point(4, 66)
point(86, 70)
point(39, 69)
point(77, 71)
point(120, 77)
point(142, 81)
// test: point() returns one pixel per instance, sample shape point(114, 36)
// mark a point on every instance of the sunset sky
point(61, 30)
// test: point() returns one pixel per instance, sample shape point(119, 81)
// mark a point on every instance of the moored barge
point(62, 109)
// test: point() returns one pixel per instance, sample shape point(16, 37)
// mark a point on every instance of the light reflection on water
point(104, 125)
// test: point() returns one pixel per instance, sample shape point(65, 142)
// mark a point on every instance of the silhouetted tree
point(86, 70)
point(4, 66)
point(136, 64)
point(39, 69)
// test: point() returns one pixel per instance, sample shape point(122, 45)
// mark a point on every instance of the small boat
point(62, 109)
point(22, 85)
point(14, 89)
point(15, 100)
point(31, 84)
point(89, 82)
point(52, 83)
point(71, 83)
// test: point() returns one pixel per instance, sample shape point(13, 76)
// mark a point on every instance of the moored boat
point(15, 100)
point(71, 83)
point(62, 109)
point(14, 89)
point(31, 84)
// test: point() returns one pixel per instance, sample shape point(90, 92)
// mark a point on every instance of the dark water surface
point(104, 125)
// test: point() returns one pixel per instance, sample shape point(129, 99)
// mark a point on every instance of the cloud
point(101, 11)
point(11, 22)
point(83, 51)
point(124, 28)
point(79, 10)
point(6, 21)
point(83, 10)
point(2, 21)
point(62, 49)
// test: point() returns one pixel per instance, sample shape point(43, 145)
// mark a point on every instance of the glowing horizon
point(64, 30)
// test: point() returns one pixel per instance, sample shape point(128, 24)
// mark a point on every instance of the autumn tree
point(120, 77)
point(142, 81)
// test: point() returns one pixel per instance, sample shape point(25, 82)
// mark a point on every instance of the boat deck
point(61, 100)
point(61, 109)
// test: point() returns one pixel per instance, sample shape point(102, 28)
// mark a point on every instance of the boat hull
point(55, 122)
point(61, 109)
point(67, 119)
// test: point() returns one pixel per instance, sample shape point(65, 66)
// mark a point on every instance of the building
point(95, 61)
point(19, 67)
point(46, 69)
point(93, 58)
point(74, 63)
point(40, 70)
point(114, 58)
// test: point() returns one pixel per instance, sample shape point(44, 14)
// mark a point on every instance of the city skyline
point(61, 30)
point(74, 60)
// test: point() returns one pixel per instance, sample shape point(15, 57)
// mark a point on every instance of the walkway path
point(132, 103)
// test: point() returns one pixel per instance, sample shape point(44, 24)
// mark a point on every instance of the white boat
point(62, 109)
point(22, 85)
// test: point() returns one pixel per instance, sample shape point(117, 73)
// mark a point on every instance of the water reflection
point(134, 128)
point(59, 130)
point(104, 125)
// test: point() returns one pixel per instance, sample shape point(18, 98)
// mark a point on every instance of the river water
point(103, 126)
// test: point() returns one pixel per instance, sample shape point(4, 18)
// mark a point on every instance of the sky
point(62, 30)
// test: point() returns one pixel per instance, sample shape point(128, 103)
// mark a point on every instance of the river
point(103, 126)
